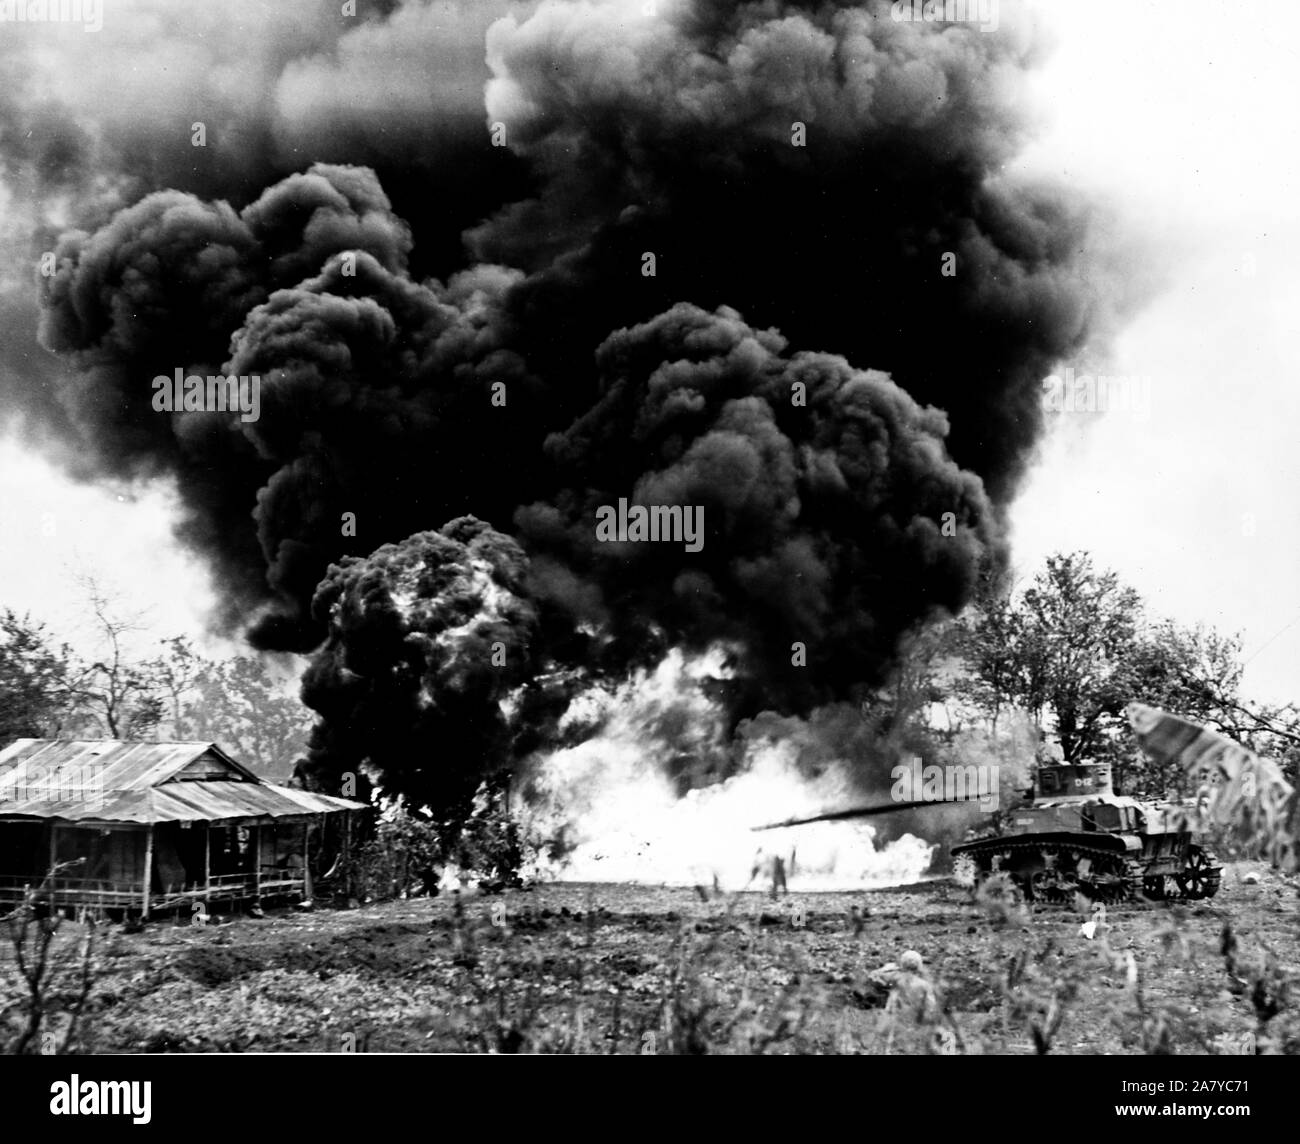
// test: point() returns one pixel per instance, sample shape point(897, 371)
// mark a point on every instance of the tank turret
point(1083, 780)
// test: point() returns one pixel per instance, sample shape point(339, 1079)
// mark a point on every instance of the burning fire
point(620, 818)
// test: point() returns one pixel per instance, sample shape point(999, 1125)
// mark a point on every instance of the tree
point(898, 711)
point(34, 685)
point(1193, 671)
point(1063, 653)
point(1075, 648)
point(122, 693)
point(990, 641)
point(238, 703)
point(175, 673)
point(116, 695)
point(1196, 672)
point(51, 979)
point(1080, 633)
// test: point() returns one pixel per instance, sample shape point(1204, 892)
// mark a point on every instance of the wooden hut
point(150, 826)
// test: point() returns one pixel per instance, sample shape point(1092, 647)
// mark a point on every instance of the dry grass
point(624, 969)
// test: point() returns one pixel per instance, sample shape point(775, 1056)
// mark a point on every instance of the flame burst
point(610, 810)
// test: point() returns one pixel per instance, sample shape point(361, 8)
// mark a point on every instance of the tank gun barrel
point(858, 812)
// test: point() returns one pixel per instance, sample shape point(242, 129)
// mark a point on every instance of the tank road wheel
point(1051, 883)
point(1113, 882)
point(1200, 877)
point(1112, 889)
point(1064, 889)
point(1155, 887)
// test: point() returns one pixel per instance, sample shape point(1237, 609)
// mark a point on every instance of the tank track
point(1113, 877)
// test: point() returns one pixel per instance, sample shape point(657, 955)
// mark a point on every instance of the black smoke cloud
point(162, 286)
point(632, 128)
point(833, 516)
point(90, 124)
point(428, 639)
point(675, 136)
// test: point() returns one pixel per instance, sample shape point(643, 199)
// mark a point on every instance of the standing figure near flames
point(774, 866)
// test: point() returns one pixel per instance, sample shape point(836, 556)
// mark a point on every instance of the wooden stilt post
point(306, 860)
point(207, 863)
point(54, 858)
point(347, 853)
point(257, 864)
point(148, 871)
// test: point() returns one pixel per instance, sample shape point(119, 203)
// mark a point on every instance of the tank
point(1075, 835)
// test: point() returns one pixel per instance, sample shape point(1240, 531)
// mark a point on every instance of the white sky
point(54, 529)
point(1185, 116)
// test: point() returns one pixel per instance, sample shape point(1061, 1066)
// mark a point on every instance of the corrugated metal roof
point(240, 802)
point(112, 764)
point(113, 781)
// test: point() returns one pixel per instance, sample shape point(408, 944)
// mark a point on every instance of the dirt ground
point(635, 969)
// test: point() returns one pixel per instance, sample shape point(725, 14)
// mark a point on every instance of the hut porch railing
point(275, 882)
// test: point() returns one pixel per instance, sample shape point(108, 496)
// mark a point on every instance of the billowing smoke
point(758, 259)
point(670, 128)
point(823, 488)
point(430, 643)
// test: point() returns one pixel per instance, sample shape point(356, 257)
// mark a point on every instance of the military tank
point(1076, 836)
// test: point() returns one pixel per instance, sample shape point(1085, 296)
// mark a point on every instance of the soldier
point(773, 866)
point(1049, 751)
